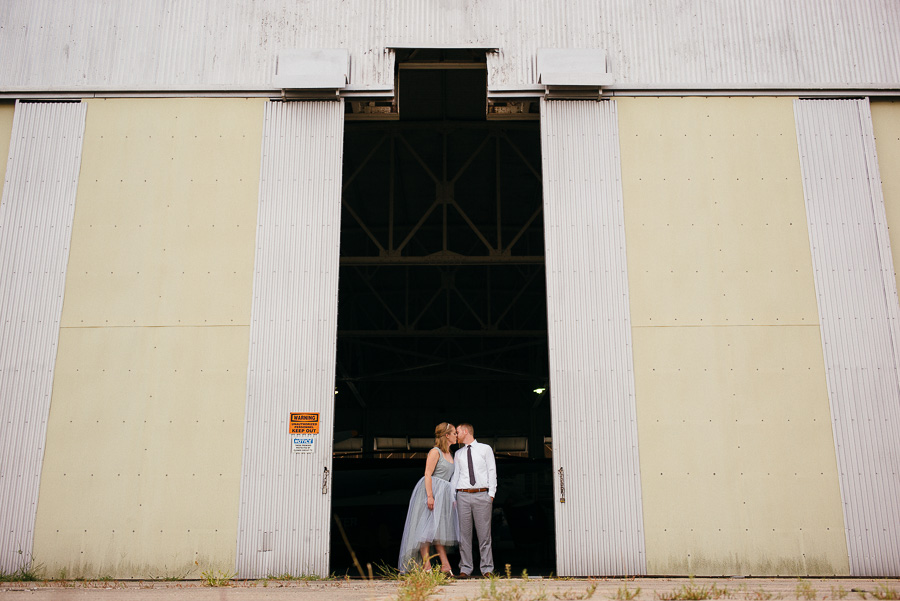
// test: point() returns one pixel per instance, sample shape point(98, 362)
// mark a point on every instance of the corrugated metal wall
point(599, 528)
point(285, 511)
point(35, 229)
point(220, 44)
point(859, 312)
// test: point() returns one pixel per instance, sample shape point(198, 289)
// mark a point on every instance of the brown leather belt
point(471, 490)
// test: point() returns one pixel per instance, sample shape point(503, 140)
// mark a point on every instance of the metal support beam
point(448, 258)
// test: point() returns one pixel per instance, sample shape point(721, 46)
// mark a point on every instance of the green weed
point(21, 575)
point(883, 592)
point(804, 590)
point(387, 572)
point(623, 593)
point(217, 577)
point(496, 589)
point(418, 584)
point(28, 572)
point(693, 592)
point(587, 594)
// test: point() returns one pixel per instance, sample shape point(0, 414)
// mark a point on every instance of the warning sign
point(304, 423)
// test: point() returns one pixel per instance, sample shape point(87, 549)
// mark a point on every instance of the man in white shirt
point(475, 482)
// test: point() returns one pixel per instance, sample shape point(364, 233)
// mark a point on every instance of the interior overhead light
point(539, 390)
point(335, 391)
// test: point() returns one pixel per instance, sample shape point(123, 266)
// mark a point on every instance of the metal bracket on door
point(325, 482)
point(562, 486)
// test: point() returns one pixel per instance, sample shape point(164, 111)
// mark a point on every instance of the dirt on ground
point(502, 589)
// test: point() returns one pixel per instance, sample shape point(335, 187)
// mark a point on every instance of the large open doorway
point(442, 308)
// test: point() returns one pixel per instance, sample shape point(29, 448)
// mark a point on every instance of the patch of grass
point(884, 592)
point(694, 592)
point(29, 572)
point(623, 593)
point(217, 577)
point(418, 584)
point(167, 576)
point(20, 575)
point(387, 572)
point(496, 589)
point(804, 590)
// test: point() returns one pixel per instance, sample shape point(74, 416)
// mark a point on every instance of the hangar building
point(645, 247)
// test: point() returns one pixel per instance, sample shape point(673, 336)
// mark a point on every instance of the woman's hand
point(430, 503)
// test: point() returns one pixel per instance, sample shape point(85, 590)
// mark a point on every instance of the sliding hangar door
point(428, 285)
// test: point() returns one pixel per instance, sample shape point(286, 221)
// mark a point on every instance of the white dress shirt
point(484, 464)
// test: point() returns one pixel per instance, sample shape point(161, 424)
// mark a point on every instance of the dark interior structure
point(442, 308)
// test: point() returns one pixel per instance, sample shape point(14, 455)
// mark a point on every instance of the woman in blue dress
point(431, 519)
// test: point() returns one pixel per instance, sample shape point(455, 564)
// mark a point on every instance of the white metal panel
point(312, 69)
point(35, 229)
point(285, 511)
point(599, 528)
point(859, 312)
point(166, 45)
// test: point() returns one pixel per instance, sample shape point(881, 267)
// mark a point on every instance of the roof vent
point(316, 70)
point(572, 72)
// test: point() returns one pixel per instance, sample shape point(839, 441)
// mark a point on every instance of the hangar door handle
point(562, 486)
point(325, 481)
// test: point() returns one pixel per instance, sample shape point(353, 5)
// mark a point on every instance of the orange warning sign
point(304, 423)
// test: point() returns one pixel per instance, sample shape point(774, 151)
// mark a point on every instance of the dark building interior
point(442, 307)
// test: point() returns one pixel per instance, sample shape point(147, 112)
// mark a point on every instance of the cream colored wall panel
point(165, 223)
point(6, 123)
point(733, 418)
point(737, 460)
point(886, 123)
point(142, 470)
point(714, 214)
point(141, 473)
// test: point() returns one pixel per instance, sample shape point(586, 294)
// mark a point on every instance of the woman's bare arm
point(430, 464)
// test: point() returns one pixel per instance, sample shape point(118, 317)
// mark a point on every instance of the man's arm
point(491, 470)
point(455, 479)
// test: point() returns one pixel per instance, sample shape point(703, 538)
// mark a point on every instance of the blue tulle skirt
point(439, 526)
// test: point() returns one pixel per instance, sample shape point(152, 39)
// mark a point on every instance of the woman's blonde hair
point(440, 436)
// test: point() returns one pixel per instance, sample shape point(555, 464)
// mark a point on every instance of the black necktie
point(471, 466)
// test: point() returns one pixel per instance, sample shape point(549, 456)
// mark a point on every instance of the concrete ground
point(515, 589)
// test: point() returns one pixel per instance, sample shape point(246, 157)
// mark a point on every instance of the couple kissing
point(453, 498)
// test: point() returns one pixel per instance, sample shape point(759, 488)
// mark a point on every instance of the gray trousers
point(474, 509)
